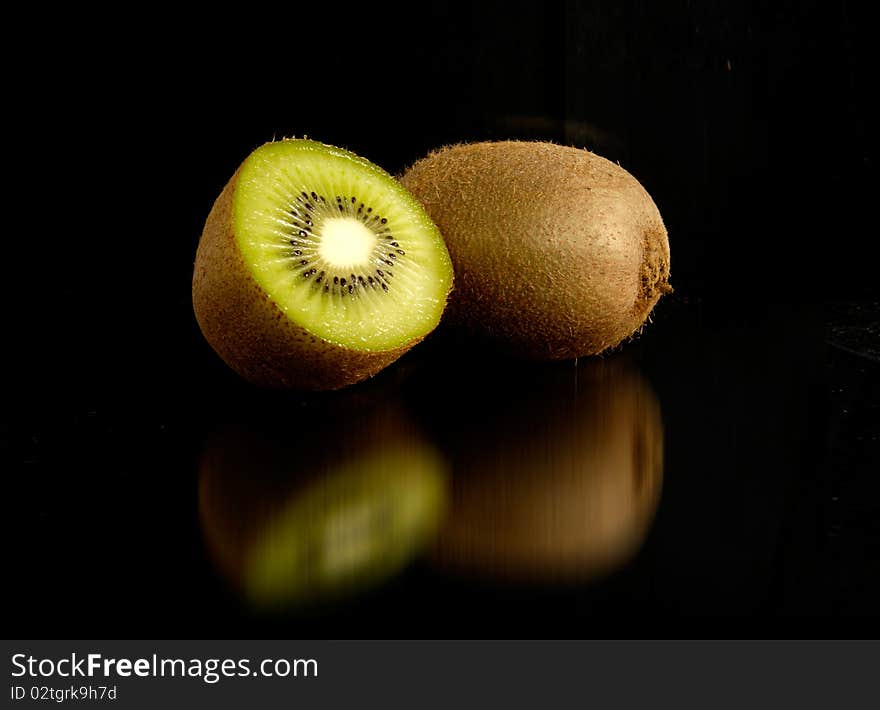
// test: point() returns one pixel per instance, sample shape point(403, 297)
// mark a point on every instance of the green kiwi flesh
point(316, 269)
point(558, 252)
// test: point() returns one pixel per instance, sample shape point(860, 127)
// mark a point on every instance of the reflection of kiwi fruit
point(556, 471)
point(302, 513)
point(316, 269)
point(558, 253)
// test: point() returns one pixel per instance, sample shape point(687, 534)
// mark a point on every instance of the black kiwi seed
point(384, 286)
point(302, 232)
point(336, 279)
point(353, 200)
point(341, 281)
point(401, 252)
point(383, 221)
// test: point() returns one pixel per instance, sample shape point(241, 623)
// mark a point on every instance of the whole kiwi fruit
point(558, 253)
point(316, 269)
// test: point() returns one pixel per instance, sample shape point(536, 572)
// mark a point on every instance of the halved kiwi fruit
point(316, 269)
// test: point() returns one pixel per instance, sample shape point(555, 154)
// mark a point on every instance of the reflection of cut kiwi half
point(556, 477)
point(304, 513)
point(316, 269)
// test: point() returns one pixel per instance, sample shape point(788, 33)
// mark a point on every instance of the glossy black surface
point(717, 477)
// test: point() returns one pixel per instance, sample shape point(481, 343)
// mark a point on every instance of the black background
point(748, 124)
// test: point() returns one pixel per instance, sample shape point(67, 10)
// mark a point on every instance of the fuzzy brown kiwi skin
point(558, 253)
point(248, 330)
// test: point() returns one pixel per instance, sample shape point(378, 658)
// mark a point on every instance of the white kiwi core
point(346, 242)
